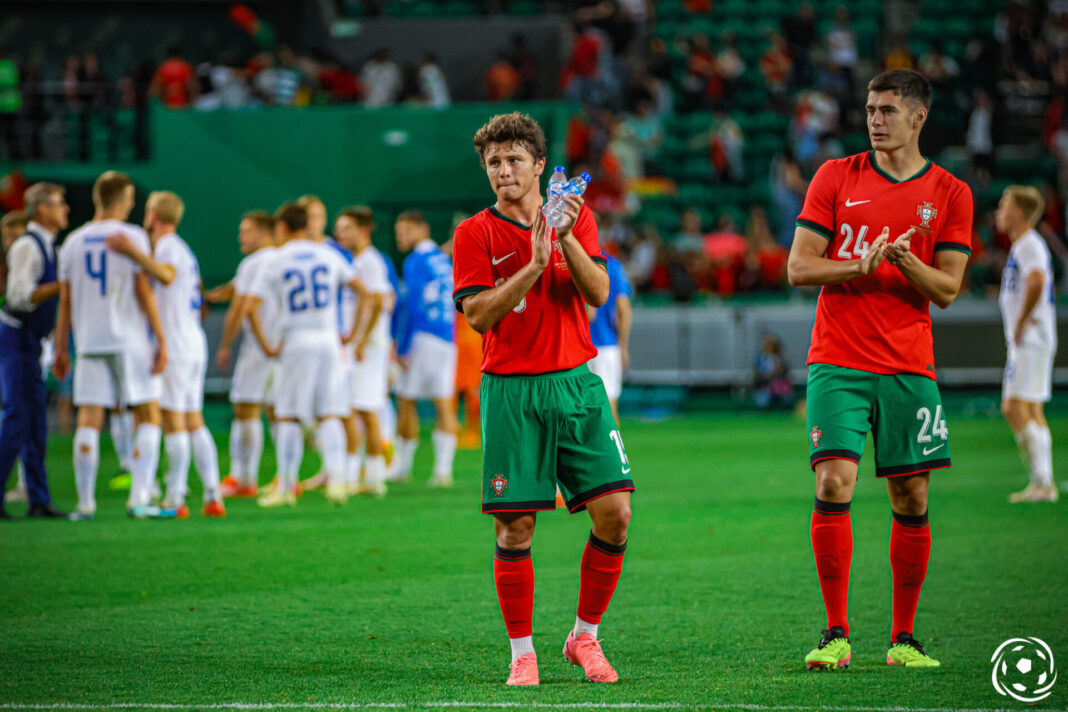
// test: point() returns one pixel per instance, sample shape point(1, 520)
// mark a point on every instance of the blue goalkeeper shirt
point(428, 279)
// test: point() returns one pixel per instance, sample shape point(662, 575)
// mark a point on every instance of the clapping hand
point(876, 252)
point(541, 248)
point(899, 249)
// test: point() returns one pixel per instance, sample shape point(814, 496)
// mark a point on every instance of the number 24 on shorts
point(931, 428)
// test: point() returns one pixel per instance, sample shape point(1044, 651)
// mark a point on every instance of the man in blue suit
point(28, 316)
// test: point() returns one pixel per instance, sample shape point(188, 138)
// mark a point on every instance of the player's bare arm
point(231, 326)
point(939, 282)
point(485, 309)
point(1034, 286)
point(61, 364)
point(364, 306)
point(807, 265)
point(220, 294)
point(590, 278)
point(625, 318)
point(44, 292)
point(147, 299)
point(159, 271)
point(252, 313)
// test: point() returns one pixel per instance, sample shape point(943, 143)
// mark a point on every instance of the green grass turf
point(393, 600)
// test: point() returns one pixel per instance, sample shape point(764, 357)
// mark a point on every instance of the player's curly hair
point(508, 129)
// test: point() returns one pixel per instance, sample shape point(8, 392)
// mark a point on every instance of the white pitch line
point(489, 705)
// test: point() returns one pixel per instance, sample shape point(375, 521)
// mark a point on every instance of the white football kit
point(255, 375)
point(306, 277)
point(187, 347)
point(111, 336)
point(370, 380)
point(608, 364)
point(1029, 366)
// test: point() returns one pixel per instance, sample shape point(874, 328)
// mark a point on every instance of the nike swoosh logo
point(626, 470)
point(502, 259)
point(928, 452)
point(851, 203)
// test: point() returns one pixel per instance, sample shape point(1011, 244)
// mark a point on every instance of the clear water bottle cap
point(586, 176)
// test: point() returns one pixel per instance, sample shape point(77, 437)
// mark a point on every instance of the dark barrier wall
point(465, 47)
point(226, 163)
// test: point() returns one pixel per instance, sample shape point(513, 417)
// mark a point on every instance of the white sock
point(387, 421)
point(405, 455)
point(330, 438)
point(206, 456)
point(179, 456)
point(522, 646)
point(1041, 454)
point(375, 470)
point(444, 452)
point(122, 436)
point(253, 432)
point(238, 451)
point(145, 463)
point(86, 462)
point(353, 463)
point(582, 626)
point(290, 446)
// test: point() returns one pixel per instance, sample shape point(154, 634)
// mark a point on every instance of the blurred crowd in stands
point(701, 129)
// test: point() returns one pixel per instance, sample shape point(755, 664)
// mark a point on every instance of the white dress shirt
point(25, 267)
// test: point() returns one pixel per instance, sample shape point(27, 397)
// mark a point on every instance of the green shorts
point(903, 412)
point(547, 429)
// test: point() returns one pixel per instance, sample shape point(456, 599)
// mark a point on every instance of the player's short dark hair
point(513, 128)
point(906, 83)
point(362, 215)
point(109, 187)
point(261, 219)
point(294, 216)
point(414, 216)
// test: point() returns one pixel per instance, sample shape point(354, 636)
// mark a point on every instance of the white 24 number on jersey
point(860, 247)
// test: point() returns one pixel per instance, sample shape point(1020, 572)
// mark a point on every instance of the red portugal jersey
point(548, 330)
point(881, 323)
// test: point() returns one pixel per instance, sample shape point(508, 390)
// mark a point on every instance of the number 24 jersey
point(881, 323)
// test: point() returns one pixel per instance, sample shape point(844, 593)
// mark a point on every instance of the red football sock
point(513, 572)
point(602, 563)
point(910, 550)
point(832, 545)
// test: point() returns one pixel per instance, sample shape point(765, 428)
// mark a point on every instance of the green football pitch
point(391, 603)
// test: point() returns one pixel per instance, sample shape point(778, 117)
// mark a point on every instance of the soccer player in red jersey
point(871, 362)
point(545, 417)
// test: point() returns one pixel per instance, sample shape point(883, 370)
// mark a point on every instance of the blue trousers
point(24, 428)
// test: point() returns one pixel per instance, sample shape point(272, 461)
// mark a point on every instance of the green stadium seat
point(524, 7)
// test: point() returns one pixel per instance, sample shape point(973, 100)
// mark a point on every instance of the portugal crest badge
point(499, 484)
point(815, 435)
point(927, 213)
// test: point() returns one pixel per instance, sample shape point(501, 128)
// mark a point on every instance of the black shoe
point(45, 511)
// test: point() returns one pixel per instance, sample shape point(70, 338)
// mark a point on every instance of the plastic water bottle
point(575, 186)
point(554, 195)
